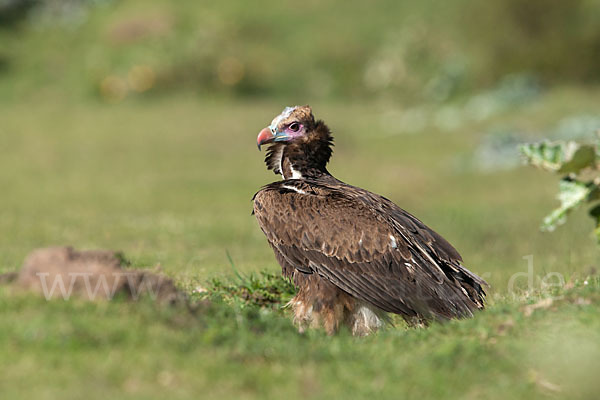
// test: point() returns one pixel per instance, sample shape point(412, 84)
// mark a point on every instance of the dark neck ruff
point(296, 169)
point(303, 160)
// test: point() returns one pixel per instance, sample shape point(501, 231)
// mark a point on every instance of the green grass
point(169, 181)
point(73, 350)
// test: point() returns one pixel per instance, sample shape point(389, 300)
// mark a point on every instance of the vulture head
point(300, 145)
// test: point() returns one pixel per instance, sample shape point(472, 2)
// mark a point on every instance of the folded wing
point(368, 247)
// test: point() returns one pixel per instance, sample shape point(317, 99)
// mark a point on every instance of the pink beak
point(265, 136)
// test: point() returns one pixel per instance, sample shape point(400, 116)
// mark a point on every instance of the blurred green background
point(392, 50)
point(131, 125)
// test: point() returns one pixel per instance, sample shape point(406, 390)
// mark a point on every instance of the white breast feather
point(365, 321)
point(295, 189)
point(295, 174)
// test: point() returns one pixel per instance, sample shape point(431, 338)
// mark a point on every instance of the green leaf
point(571, 194)
point(563, 157)
point(584, 156)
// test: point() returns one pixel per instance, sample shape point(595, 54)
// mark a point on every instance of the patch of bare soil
point(63, 272)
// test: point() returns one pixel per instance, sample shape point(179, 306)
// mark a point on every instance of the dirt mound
point(62, 272)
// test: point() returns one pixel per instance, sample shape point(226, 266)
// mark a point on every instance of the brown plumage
point(354, 255)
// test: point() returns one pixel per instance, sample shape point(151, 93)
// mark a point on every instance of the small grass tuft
point(263, 289)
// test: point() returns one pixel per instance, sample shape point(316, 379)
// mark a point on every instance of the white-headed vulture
point(353, 255)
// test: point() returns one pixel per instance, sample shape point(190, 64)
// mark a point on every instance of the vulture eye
point(294, 127)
